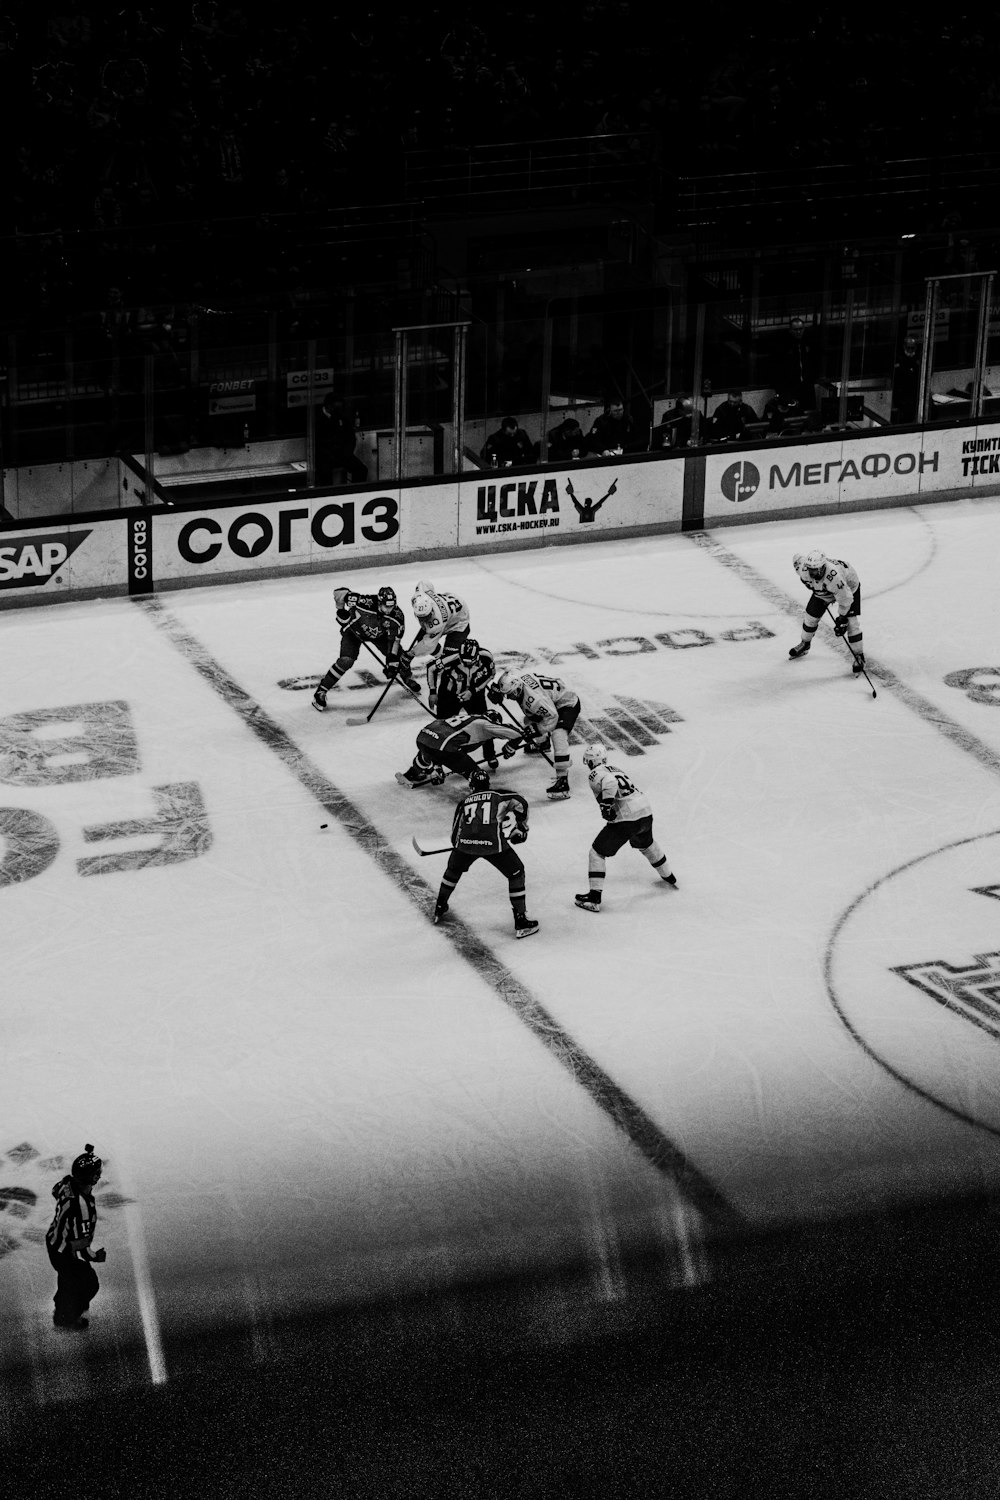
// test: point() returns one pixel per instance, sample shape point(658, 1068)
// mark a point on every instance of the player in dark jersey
point(444, 745)
point(377, 619)
point(457, 682)
point(68, 1241)
point(485, 825)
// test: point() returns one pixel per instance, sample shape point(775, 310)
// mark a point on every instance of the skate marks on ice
point(912, 970)
point(667, 1158)
point(885, 676)
point(636, 605)
point(935, 1025)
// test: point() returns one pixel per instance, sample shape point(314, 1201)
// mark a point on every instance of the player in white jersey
point(628, 819)
point(830, 581)
point(443, 621)
point(550, 710)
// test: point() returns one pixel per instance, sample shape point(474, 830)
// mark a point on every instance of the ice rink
point(307, 1095)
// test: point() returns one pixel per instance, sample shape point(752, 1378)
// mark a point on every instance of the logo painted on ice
point(33, 560)
point(973, 991)
point(913, 970)
point(740, 481)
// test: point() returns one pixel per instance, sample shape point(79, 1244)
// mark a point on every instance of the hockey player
point(485, 825)
point(443, 621)
point(830, 580)
point(628, 819)
point(550, 710)
point(444, 745)
point(376, 618)
point(457, 680)
point(68, 1241)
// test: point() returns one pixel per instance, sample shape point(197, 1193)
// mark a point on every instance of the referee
point(68, 1240)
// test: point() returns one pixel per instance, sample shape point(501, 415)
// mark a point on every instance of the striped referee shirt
point(75, 1218)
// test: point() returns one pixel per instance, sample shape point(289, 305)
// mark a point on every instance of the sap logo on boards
point(33, 560)
point(252, 533)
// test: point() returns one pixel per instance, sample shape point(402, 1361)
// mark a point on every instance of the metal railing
point(573, 166)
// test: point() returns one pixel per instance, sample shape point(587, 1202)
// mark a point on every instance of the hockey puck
point(324, 825)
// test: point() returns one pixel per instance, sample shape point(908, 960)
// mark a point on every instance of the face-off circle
point(913, 971)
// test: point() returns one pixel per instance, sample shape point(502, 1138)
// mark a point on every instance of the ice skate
point(799, 650)
point(559, 790)
point(415, 777)
point(588, 900)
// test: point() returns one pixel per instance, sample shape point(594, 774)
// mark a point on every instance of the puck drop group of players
point(464, 691)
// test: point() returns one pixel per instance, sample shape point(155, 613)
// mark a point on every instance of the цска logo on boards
point(31, 561)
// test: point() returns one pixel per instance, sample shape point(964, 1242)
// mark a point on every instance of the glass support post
point(148, 421)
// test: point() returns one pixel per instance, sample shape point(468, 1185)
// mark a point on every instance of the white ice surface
point(307, 1091)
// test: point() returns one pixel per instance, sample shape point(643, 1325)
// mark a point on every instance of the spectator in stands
point(566, 442)
point(336, 439)
point(509, 445)
point(613, 432)
point(674, 429)
point(730, 419)
point(779, 412)
point(906, 382)
point(797, 365)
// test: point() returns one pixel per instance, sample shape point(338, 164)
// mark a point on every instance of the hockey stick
point(355, 719)
point(856, 658)
point(504, 709)
point(424, 852)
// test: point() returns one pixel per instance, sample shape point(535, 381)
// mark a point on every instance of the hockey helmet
point(87, 1167)
point(815, 564)
point(423, 606)
point(595, 755)
point(387, 600)
point(468, 651)
point(479, 781)
point(508, 685)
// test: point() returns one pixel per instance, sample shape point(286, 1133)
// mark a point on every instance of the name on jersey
point(33, 560)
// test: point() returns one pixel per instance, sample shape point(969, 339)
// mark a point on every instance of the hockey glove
point(607, 811)
point(510, 749)
point(493, 716)
point(518, 836)
point(840, 625)
point(391, 670)
point(494, 695)
point(405, 658)
point(99, 1255)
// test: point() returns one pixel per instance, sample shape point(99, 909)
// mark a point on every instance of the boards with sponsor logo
point(139, 549)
